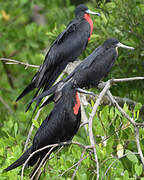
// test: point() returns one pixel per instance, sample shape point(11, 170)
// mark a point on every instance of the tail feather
point(46, 93)
point(40, 75)
point(29, 88)
point(49, 100)
point(38, 102)
point(20, 161)
point(29, 105)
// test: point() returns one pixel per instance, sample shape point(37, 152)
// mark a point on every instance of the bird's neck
point(89, 20)
point(77, 105)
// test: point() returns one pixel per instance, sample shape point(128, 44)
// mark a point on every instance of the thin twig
point(41, 163)
point(109, 168)
point(126, 79)
point(71, 167)
point(103, 92)
point(83, 124)
point(132, 122)
point(120, 109)
point(41, 149)
point(52, 145)
point(12, 61)
point(138, 145)
point(84, 118)
point(56, 152)
point(115, 161)
point(39, 172)
point(74, 174)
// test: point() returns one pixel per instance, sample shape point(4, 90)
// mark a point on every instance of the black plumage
point(92, 69)
point(60, 126)
point(66, 48)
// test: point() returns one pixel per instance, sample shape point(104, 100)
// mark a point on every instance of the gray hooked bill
point(91, 12)
point(124, 46)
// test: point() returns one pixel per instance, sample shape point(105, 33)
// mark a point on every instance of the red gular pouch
point(77, 105)
point(89, 20)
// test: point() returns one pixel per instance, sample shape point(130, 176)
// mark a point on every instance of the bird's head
point(82, 9)
point(114, 43)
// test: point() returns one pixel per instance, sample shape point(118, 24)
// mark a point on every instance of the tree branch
point(103, 92)
point(42, 162)
point(72, 166)
point(138, 145)
point(120, 109)
point(74, 174)
point(49, 146)
point(114, 162)
point(12, 61)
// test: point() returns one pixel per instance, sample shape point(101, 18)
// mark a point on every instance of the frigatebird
point(60, 126)
point(92, 69)
point(66, 48)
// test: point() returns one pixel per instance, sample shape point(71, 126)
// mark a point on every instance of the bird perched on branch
point(60, 126)
point(92, 69)
point(66, 48)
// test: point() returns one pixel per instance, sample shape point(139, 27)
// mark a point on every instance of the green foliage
point(23, 39)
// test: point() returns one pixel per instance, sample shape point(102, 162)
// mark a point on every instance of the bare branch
point(74, 174)
point(120, 109)
point(108, 168)
point(83, 124)
point(138, 145)
point(133, 123)
point(42, 162)
point(41, 149)
point(12, 61)
point(39, 172)
point(126, 79)
point(84, 118)
point(72, 166)
point(49, 146)
point(115, 161)
point(107, 86)
point(123, 112)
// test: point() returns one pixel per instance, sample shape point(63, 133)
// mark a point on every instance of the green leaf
point(111, 114)
point(138, 106)
point(36, 124)
point(132, 157)
point(126, 175)
point(125, 108)
point(15, 128)
point(138, 169)
point(92, 102)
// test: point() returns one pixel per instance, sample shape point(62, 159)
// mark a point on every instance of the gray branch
point(12, 61)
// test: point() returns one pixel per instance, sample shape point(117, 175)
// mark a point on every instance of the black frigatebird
point(92, 69)
point(60, 126)
point(66, 48)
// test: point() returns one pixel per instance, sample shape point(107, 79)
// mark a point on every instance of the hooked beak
point(124, 46)
point(91, 12)
point(85, 92)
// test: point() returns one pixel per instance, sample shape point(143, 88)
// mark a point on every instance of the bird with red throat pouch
point(65, 49)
